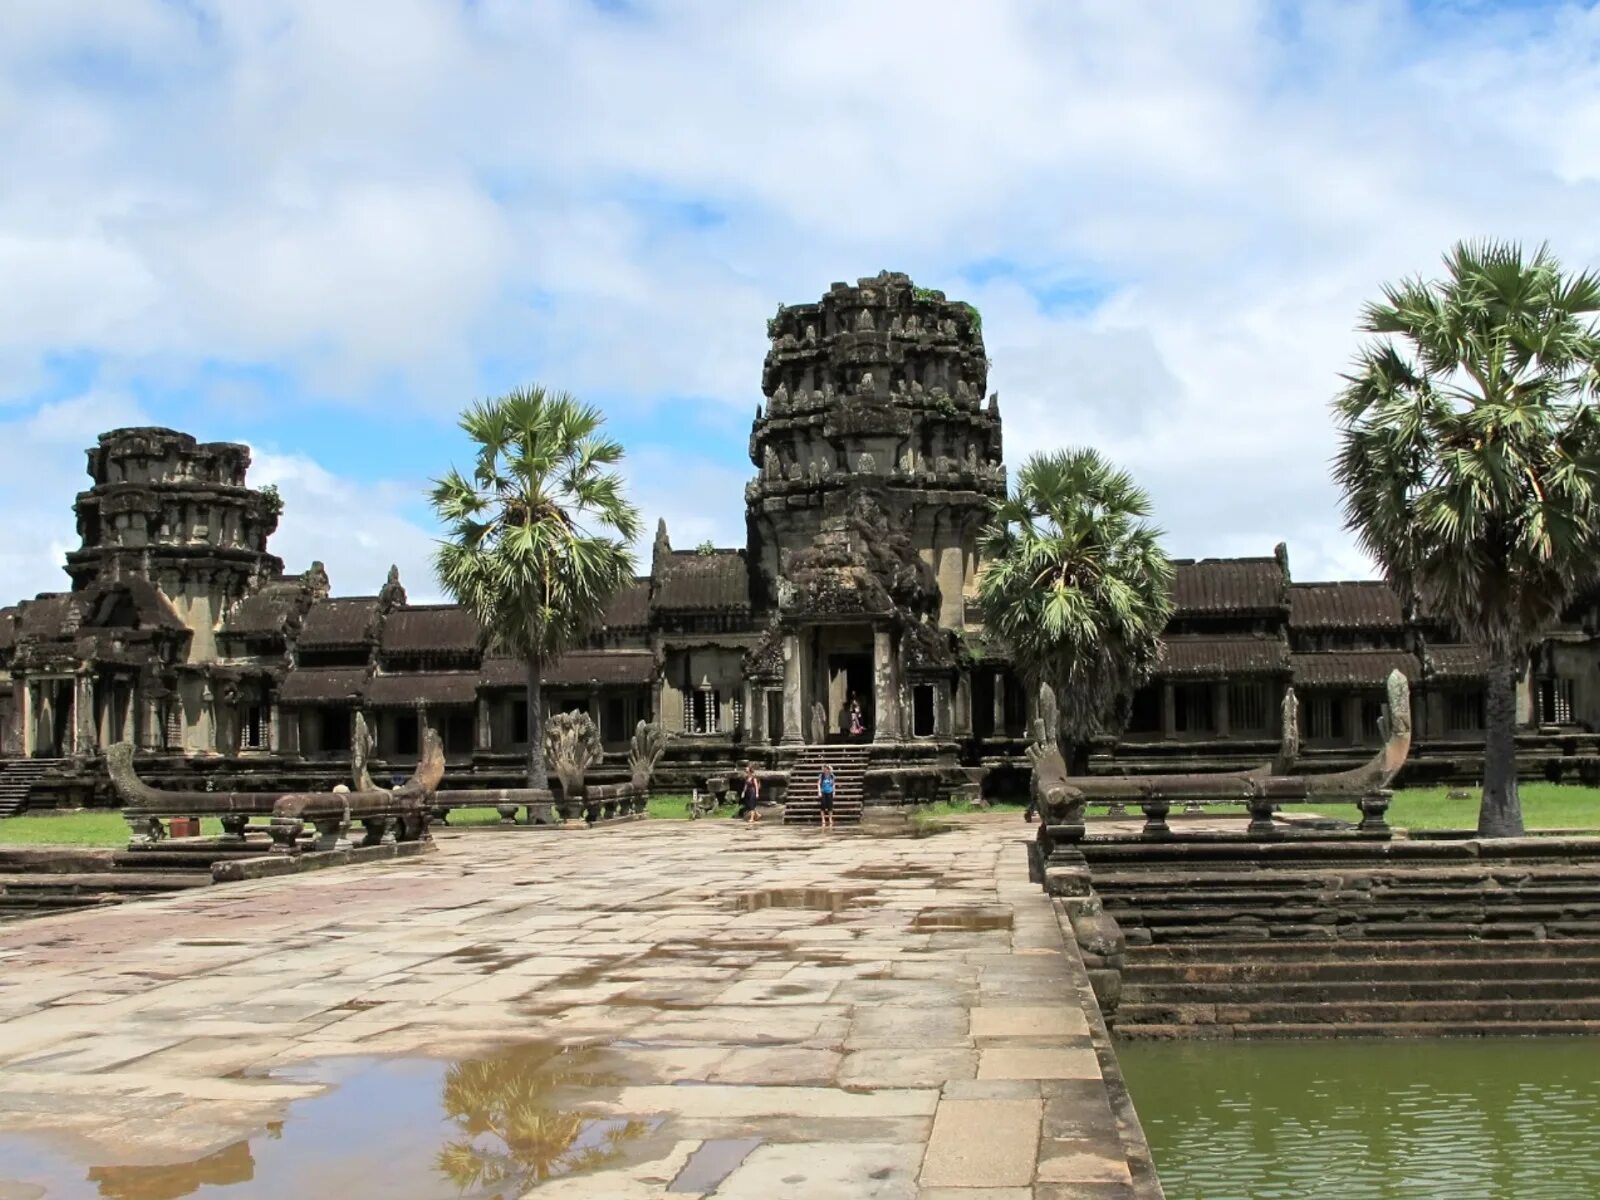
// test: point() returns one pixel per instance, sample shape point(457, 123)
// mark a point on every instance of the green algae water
point(1371, 1120)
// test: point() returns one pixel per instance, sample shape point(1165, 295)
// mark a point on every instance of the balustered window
point(1555, 701)
point(1248, 708)
point(705, 710)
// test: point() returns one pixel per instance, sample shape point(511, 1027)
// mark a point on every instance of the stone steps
point(1360, 1012)
point(849, 765)
point(1388, 988)
point(1375, 948)
point(17, 780)
point(1141, 970)
point(1356, 1029)
point(1321, 939)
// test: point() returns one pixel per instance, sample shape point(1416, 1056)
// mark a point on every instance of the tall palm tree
point(1077, 584)
point(1470, 459)
point(538, 533)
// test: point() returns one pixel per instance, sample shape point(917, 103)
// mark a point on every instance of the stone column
point(793, 716)
point(422, 727)
point(274, 735)
point(1219, 709)
point(25, 691)
point(747, 718)
point(961, 716)
point(999, 704)
point(1353, 733)
point(886, 705)
point(1169, 711)
point(485, 731)
point(83, 731)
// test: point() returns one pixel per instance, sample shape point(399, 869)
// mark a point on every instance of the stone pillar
point(83, 732)
point(1219, 709)
point(747, 716)
point(1353, 732)
point(422, 727)
point(274, 735)
point(793, 715)
point(886, 693)
point(999, 704)
point(25, 691)
point(961, 717)
point(1169, 711)
point(485, 731)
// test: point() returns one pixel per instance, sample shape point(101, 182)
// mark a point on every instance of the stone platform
point(746, 1012)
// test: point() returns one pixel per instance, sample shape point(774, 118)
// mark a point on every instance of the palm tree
point(538, 534)
point(1470, 458)
point(1077, 584)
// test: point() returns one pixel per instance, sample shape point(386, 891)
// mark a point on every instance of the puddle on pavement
point(964, 920)
point(713, 1162)
point(830, 900)
point(406, 1129)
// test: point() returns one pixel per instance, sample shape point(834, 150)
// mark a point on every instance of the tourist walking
point(825, 796)
point(750, 796)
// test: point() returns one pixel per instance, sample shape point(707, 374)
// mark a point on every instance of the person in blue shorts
point(825, 796)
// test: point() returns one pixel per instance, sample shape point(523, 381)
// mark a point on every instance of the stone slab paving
point(767, 1012)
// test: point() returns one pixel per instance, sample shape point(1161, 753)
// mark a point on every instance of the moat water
point(1371, 1120)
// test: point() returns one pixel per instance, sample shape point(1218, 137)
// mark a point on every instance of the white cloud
point(401, 199)
point(353, 528)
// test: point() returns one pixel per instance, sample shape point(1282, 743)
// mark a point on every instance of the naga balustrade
point(1061, 799)
point(387, 816)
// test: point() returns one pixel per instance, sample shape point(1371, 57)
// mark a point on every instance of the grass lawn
point(1544, 806)
point(79, 828)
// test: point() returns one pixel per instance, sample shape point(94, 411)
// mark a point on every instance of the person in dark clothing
point(750, 796)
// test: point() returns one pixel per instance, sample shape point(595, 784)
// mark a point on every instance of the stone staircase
point(1351, 939)
point(17, 780)
point(35, 880)
point(849, 765)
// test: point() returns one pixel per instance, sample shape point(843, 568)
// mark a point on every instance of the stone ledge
point(268, 866)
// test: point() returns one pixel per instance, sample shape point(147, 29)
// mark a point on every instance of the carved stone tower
point(879, 388)
point(178, 513)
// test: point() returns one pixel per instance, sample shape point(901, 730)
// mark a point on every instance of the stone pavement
point(663, 1009)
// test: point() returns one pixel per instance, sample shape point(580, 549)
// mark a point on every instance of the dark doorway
point(856, 672)
point(922, 719)
point(775, 728)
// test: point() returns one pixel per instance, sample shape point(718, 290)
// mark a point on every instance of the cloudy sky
point(322, 228)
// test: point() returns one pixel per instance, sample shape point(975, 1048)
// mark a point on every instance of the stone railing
point(387, 816)
point(1061, 800)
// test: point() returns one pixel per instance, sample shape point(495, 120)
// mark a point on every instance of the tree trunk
point(1500, 814)
point(538, 777)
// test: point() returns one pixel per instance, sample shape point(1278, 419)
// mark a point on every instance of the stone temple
point(877, 453)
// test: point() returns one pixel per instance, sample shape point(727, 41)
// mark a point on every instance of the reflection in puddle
point(966, 920)
point(817, 899)
point(410, 1129)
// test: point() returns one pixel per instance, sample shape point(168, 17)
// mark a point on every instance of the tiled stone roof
point(1353, 668)
point(433, 628)
point(402, 689)
point(691, 581)
point(348, 621)
point(323, 685)
point(630, 609)
point(616, 667)
point(1463, 664)
point(268, 611)
point(1218, 586)
point(1359, 605)
point(1214, 657)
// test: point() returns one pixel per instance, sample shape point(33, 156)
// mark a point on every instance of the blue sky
point(323, 228)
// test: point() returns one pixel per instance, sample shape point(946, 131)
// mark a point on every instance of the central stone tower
point(879, 458)
point(878, 388)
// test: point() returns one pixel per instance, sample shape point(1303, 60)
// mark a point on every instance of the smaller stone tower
point(177, 512)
